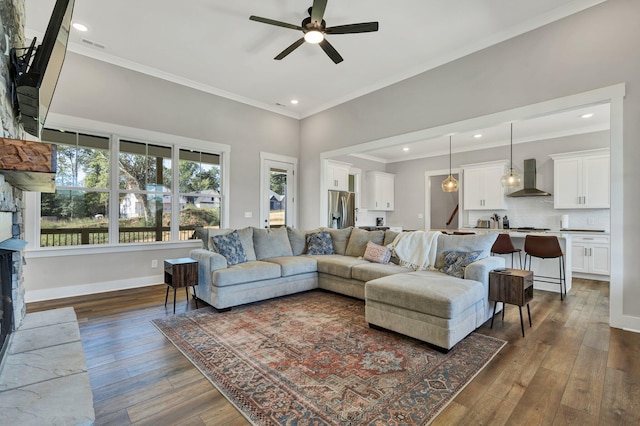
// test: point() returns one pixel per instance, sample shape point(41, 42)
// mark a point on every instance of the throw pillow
point(230, 247)
point(478, 242)
point(377, 253)
point(298, 240)
point(319, 243)
point(456, 261)
point(359, 239)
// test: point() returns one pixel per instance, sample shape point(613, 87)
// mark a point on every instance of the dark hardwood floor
point(571, 368)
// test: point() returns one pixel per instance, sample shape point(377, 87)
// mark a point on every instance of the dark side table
point(513, 286)
point(178, 273)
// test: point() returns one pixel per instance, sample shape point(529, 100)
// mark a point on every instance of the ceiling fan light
point(313, 37)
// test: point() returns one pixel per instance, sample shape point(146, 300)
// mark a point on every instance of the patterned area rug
point(311, 359)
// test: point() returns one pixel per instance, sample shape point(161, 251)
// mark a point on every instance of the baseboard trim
point(93, 288)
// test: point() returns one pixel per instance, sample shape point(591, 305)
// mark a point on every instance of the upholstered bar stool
point(504, 245)
point(545, 247)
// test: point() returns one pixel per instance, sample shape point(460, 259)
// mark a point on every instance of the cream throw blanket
point(416, 250)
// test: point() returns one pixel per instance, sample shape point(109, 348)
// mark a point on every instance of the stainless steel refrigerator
point(342, 209)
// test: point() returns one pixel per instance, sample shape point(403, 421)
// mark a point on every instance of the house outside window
point(142, 179)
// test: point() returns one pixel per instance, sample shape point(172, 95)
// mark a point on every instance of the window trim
point(116, 132)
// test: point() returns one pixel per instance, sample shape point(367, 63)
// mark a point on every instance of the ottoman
point(430, 306)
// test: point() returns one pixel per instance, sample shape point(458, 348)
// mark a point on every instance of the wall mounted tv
point(36, 69)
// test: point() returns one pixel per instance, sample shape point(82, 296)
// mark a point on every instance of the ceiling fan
point(314, 29)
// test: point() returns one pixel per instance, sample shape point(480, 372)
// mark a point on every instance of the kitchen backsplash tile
point(538, 212)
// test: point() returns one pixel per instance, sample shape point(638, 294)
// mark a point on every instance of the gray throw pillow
point(359, 239)
point(319, 243)
point(464, 243)
point(456, 261)
point(272, 242)
point(230, 247)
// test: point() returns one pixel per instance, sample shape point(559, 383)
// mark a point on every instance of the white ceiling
point(550, 126)
point(212, 45)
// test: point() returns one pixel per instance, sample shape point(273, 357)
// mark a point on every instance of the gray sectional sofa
point(426, 304)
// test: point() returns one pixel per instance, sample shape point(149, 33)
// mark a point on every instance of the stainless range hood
point(529, 189)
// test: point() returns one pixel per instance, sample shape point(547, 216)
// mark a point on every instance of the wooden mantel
point(28, 165)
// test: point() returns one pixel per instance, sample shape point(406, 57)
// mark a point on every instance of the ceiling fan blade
point(290, 49)
point(331, 51)
point(274, 22)
point(317, 10)
point(364, 27)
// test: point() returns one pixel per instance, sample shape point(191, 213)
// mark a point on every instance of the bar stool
point(504, 245)
point(546, 247)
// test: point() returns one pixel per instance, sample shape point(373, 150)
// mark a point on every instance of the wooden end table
point(513, 286)
point(178, 273)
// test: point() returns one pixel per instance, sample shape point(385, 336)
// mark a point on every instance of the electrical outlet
point(420, 216)
point(154, 263)
point(591, 221)
point(248, 215)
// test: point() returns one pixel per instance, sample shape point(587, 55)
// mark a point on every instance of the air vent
point(92, 43)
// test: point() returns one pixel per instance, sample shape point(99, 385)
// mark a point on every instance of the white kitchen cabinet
point(590, 254)
point(380, 191)
point(338, 176)
point(481, 188)
point(581, 180)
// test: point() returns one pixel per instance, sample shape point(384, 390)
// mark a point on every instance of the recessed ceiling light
point(477, 136)
point(80, 27)
point(294, 101)
point(405, 149)
point(588, 115)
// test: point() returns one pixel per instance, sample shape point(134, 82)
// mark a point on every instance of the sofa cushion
point(340, 238)
point(335, 264)
point(464, 243)
point(377, 253)
point(245, 272)
point(246, 238)
point(371, 271)
point(319, 243)
point(272, 242)
point(295, 265)
point(456, 261)
point(429, 292)
point(359, 239)
point(230, 247)
point(297, 240)
point(389, 236)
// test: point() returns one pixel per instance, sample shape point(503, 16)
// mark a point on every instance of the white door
point(278, 190)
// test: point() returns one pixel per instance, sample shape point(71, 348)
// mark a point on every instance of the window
point(138, 189)
point(144, 180)
point(199, 192)
point(78, 211)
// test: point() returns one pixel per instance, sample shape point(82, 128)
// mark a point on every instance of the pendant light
point(450, 184)
point(511, 179)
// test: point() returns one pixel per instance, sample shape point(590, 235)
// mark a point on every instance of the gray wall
point(592, 49)
point(96, 90)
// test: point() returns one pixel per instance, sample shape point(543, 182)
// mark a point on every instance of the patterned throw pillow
point(319, 243)
point(377, 253)
point(455, 261)
point(230, 247)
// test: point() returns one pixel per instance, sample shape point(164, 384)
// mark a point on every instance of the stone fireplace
point(12, 17)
